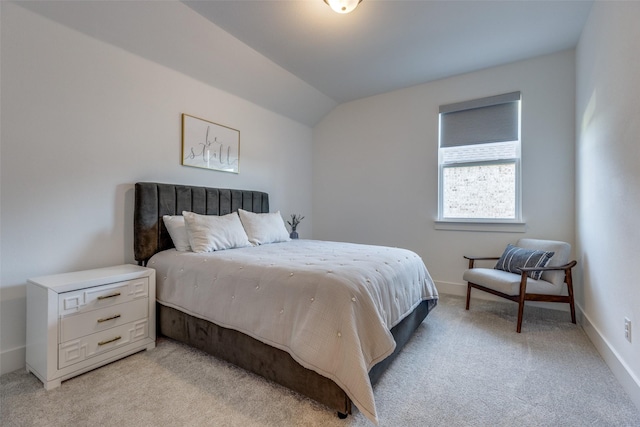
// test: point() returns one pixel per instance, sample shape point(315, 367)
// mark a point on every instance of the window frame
point(515, 224)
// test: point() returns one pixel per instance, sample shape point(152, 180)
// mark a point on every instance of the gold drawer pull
point(111, 340)
point(109, 296)
point(108, 318)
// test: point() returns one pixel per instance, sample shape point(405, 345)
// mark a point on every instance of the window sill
point(501, 227)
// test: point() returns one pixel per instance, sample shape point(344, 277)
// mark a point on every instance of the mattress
point(329, 305)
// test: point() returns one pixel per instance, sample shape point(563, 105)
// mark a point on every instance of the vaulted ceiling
point(386, 45)
point(301, 59)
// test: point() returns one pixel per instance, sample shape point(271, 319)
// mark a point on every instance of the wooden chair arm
point(472, 259)
point(567, 275)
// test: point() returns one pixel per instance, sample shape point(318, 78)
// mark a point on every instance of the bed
point(270, 313)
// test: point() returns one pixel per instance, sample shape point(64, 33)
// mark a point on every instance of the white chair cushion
point(509, 283)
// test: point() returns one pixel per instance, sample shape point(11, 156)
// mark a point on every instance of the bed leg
point(342, 416)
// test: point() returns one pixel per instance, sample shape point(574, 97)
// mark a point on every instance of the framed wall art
point(209, 145)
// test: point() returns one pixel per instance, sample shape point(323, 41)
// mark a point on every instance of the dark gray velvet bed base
point(152, 201)
point(272, 363)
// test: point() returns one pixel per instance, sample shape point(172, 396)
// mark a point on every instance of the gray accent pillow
point(515, 258)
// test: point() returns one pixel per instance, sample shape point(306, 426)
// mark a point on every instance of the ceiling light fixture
point(343, 6)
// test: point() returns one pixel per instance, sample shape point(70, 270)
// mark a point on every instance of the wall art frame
point(209, 145)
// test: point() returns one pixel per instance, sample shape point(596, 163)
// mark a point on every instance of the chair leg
point(520, 315)
point(468, 294)
point(523, 292)
point(568, 279)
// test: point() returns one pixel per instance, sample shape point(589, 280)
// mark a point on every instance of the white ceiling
point(300, 59)
point(390, 44)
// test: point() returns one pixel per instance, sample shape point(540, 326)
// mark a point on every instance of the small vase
point(294, 234)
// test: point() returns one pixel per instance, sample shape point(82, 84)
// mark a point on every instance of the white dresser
point(82, 320)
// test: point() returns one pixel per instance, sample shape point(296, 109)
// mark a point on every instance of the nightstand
point(79, 321)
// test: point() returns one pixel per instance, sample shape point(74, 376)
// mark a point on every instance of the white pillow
point(264, 228)
point(214, 233)
point(177, 231)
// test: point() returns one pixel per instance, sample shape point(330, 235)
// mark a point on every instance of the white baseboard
point(449, 288)
point(12, 360)
point(630, 383)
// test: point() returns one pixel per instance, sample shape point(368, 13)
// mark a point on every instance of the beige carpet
point(460, 369)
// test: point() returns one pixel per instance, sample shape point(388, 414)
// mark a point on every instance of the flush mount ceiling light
point(343, 6)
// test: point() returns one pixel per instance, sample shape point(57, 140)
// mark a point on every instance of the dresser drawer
point(96, 297)
point(79, 325)
point(75, 351)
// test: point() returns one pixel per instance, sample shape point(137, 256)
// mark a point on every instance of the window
point(479, 160)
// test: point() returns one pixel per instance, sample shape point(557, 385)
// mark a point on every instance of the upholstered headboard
point(153, 200)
